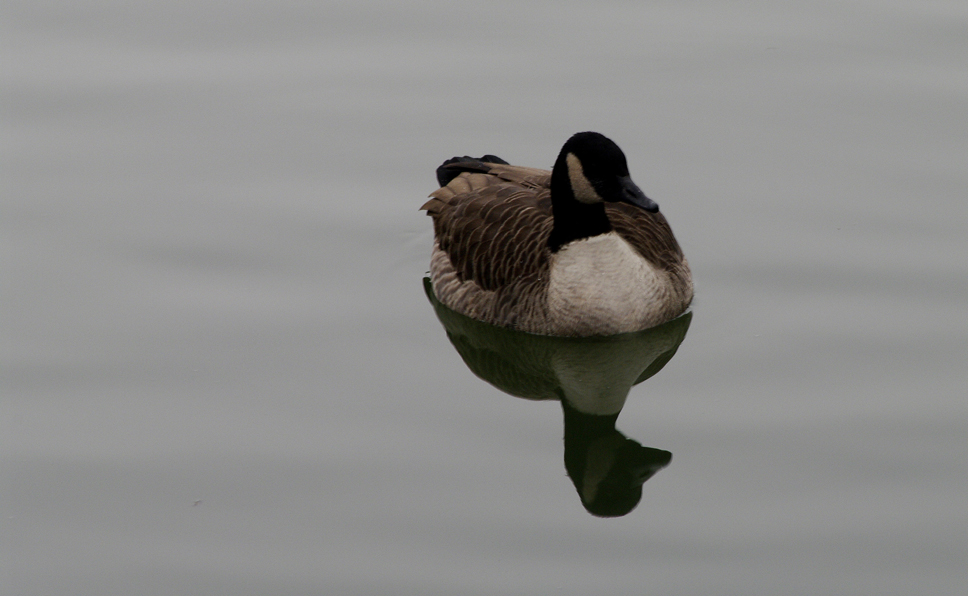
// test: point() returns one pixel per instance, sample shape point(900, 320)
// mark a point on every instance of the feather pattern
point(492, 261)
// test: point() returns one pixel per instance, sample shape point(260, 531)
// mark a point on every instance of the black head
point(610, 470)
point(598, 172)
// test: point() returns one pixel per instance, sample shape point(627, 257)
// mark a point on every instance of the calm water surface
point(221, 374)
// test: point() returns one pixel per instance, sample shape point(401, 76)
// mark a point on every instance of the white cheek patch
point(580, 186)
point(599, 461)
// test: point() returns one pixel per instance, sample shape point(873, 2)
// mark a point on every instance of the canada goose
point(591, 377)
point(576, 251)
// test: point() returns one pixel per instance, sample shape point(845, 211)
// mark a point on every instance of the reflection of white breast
point(601, 285)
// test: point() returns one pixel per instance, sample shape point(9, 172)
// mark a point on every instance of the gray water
point(221, 374)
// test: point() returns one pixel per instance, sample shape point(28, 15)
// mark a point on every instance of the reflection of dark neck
point(574, 220)
point(580, 430)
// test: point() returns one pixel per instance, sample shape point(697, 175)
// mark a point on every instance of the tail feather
point(452, 168)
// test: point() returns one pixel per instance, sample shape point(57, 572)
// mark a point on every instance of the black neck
point(580, 430)
point(573, 220)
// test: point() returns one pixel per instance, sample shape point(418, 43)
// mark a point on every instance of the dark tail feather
point(452, 168)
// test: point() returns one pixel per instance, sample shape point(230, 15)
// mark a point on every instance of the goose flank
point(577, 251)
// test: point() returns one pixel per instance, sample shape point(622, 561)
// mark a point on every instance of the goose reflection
point(591, 377)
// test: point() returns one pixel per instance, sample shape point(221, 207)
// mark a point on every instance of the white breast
point(602, 286)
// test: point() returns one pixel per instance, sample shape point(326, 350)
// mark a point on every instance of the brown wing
point(648, 233)
point(494, 225)
point(533, 178)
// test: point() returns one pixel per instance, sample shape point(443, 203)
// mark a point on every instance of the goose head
point(616, 467)
point(592, 170)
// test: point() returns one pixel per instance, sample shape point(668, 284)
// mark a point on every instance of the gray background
point(221, 376)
